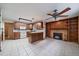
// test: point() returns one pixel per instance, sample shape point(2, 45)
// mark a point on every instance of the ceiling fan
point(56, 14)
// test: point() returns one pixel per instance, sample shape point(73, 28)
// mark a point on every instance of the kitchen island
point(35, 36)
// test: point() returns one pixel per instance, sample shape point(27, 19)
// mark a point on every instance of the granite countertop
point(36, 32)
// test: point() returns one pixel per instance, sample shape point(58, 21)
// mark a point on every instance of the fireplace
point(57, 36)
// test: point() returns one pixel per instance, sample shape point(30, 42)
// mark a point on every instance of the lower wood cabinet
point(33, 37)
point(16, 35)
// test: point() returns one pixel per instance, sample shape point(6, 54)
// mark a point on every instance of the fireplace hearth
point(57, 36)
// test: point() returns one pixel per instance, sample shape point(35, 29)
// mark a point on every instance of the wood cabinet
point(73, 29)
point(28, 33)
point(35, 36)
point(18, 25)
point(9, 31)
point(29, 26)
point(38, 25)
point(16, 35)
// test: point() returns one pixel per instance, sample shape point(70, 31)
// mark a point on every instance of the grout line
point(18, 50)
point(26, 51)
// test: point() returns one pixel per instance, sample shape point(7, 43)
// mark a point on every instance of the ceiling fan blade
point(25, 19)
point(65, 10)
point(63, 16)
point(48, 18)
point(50, 14)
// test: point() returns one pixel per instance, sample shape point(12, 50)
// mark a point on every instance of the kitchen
point(20, 30)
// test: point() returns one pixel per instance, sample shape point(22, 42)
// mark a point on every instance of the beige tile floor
point(46, 47)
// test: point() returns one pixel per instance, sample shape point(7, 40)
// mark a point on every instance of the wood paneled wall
point(62, 24)
point(48, 29)
point(70, 24)
point(57, 25)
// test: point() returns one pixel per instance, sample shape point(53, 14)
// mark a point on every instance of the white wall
point(0, 29)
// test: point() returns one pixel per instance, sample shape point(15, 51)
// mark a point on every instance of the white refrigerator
point(22, 32)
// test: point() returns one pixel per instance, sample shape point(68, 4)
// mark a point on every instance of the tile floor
point(47, 47)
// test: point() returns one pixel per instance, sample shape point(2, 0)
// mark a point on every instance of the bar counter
point(35, 36)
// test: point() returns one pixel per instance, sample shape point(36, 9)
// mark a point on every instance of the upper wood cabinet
point(19, 25)
point(73, 29)
point(38, 25)
point(29, 26)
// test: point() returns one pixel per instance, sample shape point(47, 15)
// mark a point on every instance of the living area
point(35, 29)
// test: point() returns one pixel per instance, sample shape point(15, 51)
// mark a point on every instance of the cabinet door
point(73, 29)
point(17, 25)
point(9, 31)
point(29, 26)
point(16, 35)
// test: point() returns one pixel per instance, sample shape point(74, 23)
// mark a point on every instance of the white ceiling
point(12, 11)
